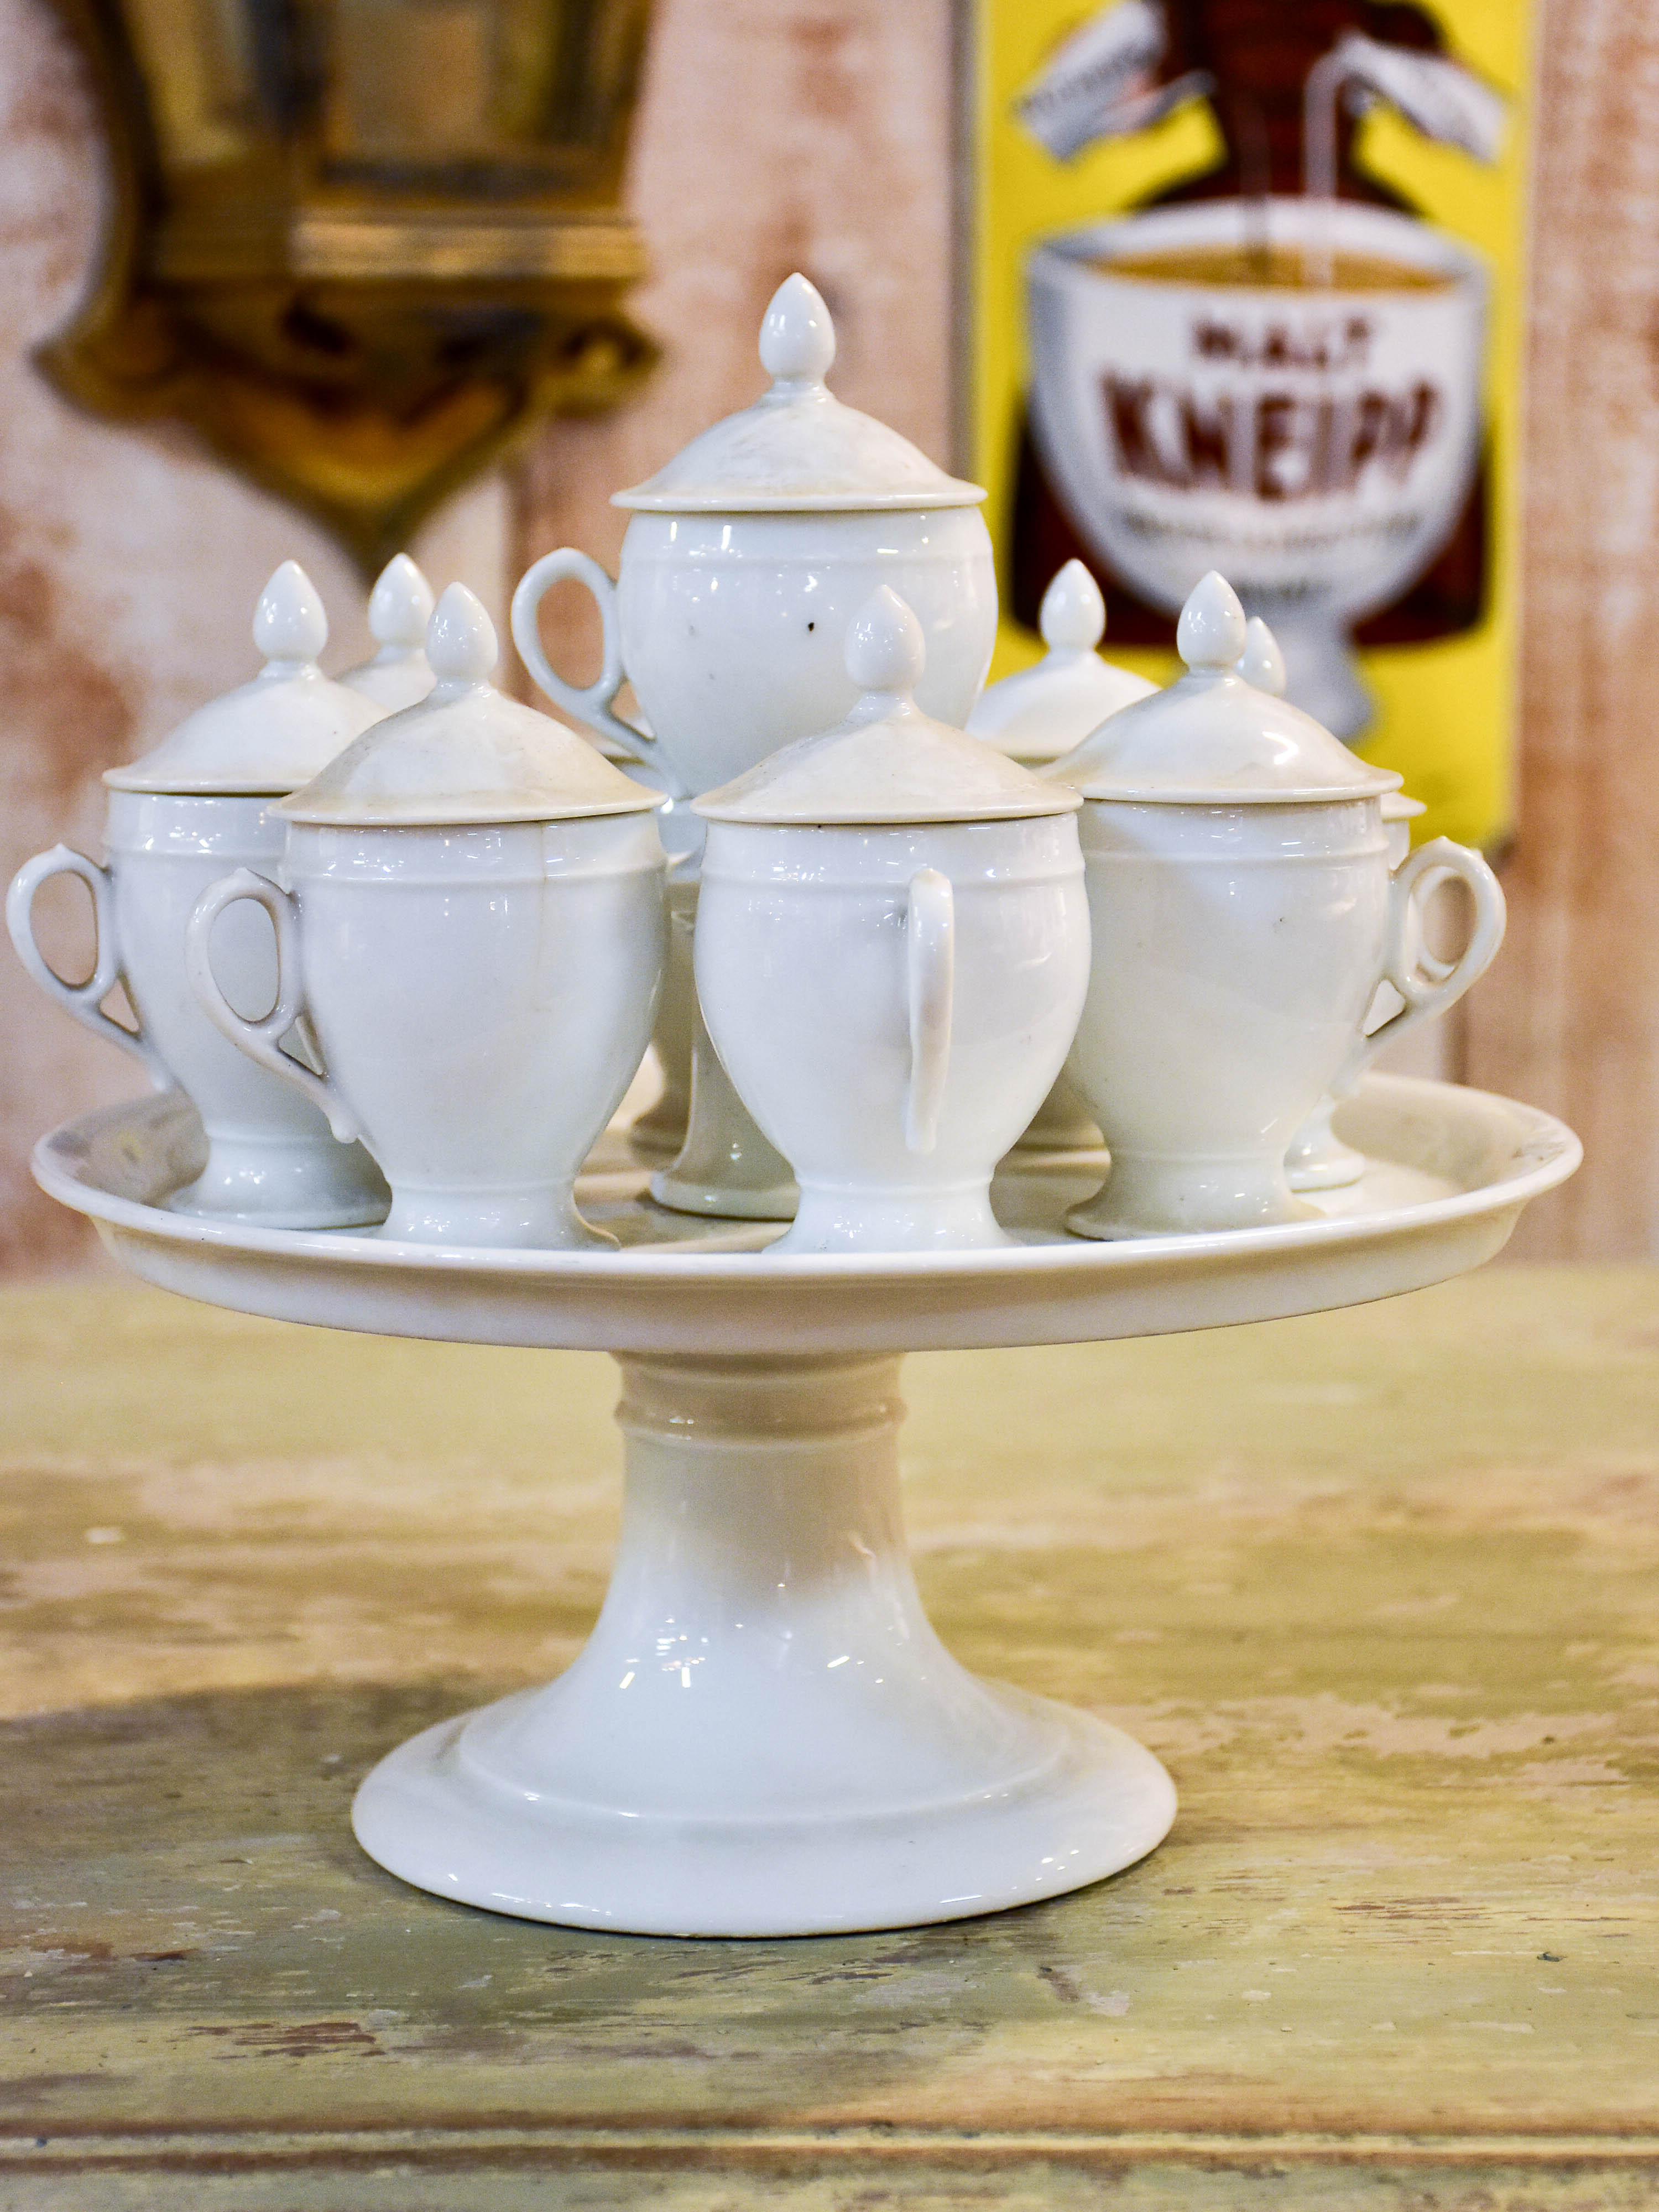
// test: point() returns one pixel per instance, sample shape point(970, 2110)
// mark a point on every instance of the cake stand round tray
point(763, 1736)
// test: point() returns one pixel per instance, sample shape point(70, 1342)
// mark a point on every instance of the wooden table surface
point(1379, 1586)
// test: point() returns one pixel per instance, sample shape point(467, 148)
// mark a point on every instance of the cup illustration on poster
point(1274, 368)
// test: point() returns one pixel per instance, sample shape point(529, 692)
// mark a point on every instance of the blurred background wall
point(817, 134)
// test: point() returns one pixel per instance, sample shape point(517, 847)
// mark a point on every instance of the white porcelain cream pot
point(472, 925)
point(892, 944)
point(744, 560)
point(199, 805)
point(1037, 715)
point(1243, 915)
point(747, 557)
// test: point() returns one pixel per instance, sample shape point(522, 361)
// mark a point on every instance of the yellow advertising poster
point(1247, 290)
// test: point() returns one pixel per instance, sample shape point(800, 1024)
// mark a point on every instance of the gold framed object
point(361, 246)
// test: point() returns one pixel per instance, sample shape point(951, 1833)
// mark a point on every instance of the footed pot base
point(723, 1202)
point(300, 1183)
point(1333, 1167)
point(534, 1218)
point(658, 1135)
point(841, 1218)
point(1148, 1195)
point(1318, 1159)
point(725, 1168)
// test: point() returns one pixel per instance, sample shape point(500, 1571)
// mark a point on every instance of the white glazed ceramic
point(729, 627)
point(472, 927)
point(726, 1168)
point(270, 1154)
point(658, 1134)
point(765, 1737)
point(399, 674)
point(1261, 664)
point(749, 554)
point(707, 1155)
point(1399, 812)
point(1416, 987)
point(1235, 952)
point(1243, 915)
point(271, 735)
point(1318, 444)
point(745, 559)
point(892, 944)
point(1317, 1159)
point(891, 1039)
point(1040, 714)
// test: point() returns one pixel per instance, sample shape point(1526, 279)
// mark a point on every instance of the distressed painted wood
point(1380, 1587)
point(1568, 1018)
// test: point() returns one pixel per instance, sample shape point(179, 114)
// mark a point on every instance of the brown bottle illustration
point(1234, 369)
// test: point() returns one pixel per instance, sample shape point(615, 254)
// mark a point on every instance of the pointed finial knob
point(460, 639)
point(400, 606)
point(1261, 663)
point(1073, 614)
point(289, 623)
point(885, 648)
point(1211, 632)
point(798, 339)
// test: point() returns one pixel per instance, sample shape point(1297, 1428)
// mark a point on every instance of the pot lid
point(888, 762)
point(1262, 663)
point(1214, 739)
point(1042, 712)
point(271, 735)
point(797, 446)
point(399, 609)
point(465, 753)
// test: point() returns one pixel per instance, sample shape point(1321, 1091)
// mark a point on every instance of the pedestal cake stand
point(764, 1737)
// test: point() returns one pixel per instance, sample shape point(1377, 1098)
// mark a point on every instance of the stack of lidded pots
point(745, 561)
point(468, 911)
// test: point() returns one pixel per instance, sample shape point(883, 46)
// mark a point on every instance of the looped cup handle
point(931, 958)
point(83, 1000)
point(591, 704)
point(260, 1040)
point(1429, 986)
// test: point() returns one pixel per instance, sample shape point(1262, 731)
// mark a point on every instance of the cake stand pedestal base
point(763, 1736)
